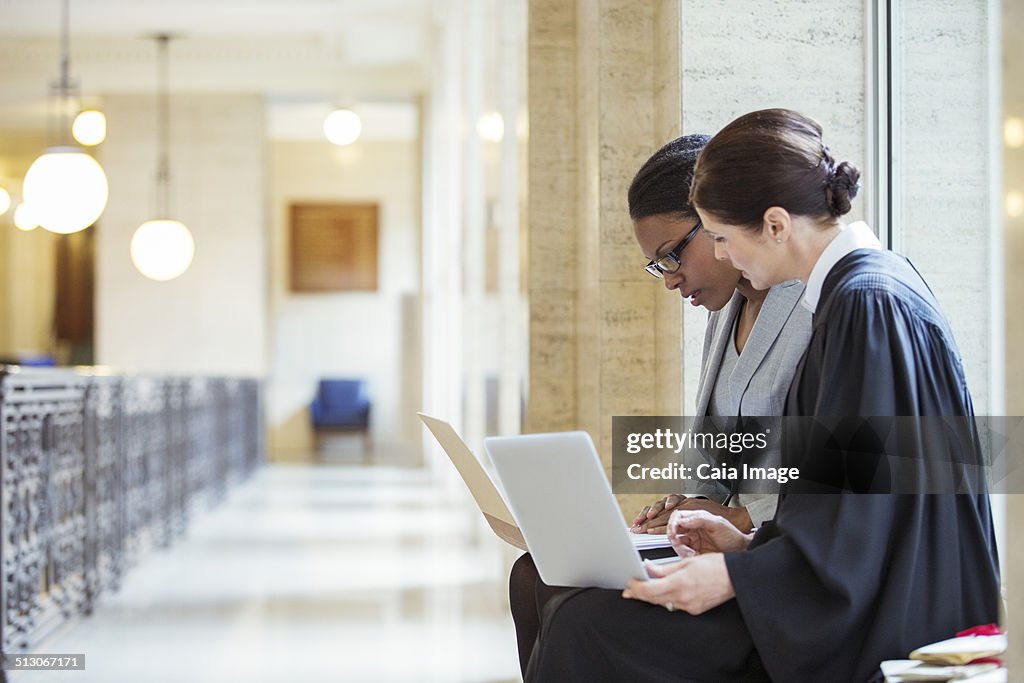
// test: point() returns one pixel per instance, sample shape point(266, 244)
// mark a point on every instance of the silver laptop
point(557, 490)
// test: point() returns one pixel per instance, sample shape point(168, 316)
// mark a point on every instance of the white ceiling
point(300, 54)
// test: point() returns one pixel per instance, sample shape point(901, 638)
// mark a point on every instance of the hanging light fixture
point(162, 248)
point(1013, 132)
point(491, 127)
point(24, 219)
point(343, 127)
point(1014, 204)
point(90, 127)
point(5, 201)
point(66, 187)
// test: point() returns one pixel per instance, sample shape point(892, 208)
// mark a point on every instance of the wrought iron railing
point(96, 469)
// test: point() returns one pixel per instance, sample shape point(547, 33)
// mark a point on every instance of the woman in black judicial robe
point(841, 579)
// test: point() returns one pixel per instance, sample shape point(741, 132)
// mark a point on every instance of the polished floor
point(310, 573)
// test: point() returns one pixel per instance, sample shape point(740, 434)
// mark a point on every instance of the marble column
point(512, 336)
point(443, 230)
point(474, 221)
point(603, 95)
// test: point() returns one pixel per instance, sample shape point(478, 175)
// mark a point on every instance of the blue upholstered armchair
point(341, 405)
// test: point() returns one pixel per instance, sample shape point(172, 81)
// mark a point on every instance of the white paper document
point(649, 541)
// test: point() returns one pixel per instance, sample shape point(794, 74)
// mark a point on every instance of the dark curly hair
point(662, 185)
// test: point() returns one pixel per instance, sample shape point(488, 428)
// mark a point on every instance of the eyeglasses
point(670, 262)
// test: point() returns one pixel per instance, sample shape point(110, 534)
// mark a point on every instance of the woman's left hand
point(693, 585)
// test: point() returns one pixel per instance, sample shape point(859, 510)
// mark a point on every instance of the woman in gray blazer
point(752, 345)
point(754, 338)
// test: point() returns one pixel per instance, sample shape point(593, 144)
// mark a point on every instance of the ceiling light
point(5, 201)
point(24, 219)
point(342, 127)
point(66, 187)
point(162, 248)
point(90, 127)
point(1014, 204)
point(491, 127)
point(1013, 131)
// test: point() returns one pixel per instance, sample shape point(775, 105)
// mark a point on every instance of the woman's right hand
point(654, 517)
point(699, 531)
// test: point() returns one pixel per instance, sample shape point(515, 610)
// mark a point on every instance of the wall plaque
point(333, 247)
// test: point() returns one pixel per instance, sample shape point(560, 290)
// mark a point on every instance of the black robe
point(839, 582)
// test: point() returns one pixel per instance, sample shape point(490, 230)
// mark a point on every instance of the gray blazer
point(765, 369)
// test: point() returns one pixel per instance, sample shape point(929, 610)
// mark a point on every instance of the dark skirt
point(594, 634)
point(528, 595)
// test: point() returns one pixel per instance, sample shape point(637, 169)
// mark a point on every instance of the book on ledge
point(971, 656)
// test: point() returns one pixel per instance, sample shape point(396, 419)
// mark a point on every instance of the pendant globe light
point(162, 248)
point(342, 127)
point(90, 127)
point(66, 188)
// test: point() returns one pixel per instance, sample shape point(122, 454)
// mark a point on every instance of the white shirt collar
point(854, 236)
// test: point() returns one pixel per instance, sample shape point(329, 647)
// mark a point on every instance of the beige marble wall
point(944, 169)
point(668, 389)
point(551, 215)
point(740, 56)
point(603, 96)
point(217, 309)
